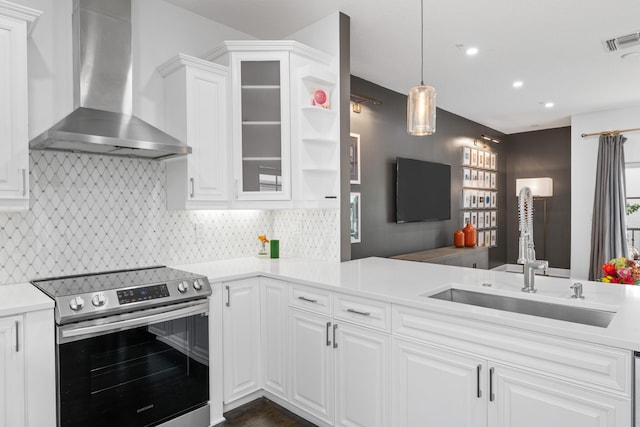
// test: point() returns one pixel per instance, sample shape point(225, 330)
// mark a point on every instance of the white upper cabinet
point(261, 129)
point(14, 138)
point(196, 113)
point(284, 127)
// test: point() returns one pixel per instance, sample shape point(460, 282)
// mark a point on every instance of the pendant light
point(421, 100)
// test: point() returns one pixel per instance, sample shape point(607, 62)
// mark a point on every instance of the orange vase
point(458, 239)
point(470, 235)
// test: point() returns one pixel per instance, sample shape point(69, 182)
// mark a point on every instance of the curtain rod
point(611, 132)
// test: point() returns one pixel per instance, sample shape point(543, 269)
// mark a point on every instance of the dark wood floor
point(263, 413)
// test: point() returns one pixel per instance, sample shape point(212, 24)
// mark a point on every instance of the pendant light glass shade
point(421, 100)
point(421, 110)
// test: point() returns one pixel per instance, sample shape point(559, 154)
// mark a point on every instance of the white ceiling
point(553, 46)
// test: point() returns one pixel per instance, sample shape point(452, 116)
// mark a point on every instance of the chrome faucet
point(526, 250)
point(530, 268)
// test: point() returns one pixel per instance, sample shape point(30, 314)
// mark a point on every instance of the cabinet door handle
point(328, 340)
point(492, 397)
point(315, 301)
point(362, 313)
point(479, 392)
point(192, 182)
point(17, 336)
point(228, 296)
point(335, 343)
point(24, 182)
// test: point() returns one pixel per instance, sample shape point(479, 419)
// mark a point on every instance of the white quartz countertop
point(22, 298)
point(408, 283)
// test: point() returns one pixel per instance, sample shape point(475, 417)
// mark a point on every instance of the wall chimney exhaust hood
point(102, 122)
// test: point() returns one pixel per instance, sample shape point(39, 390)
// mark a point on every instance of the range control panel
point(127, 296)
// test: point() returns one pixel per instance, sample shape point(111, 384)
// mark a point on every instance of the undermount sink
point(585, 316)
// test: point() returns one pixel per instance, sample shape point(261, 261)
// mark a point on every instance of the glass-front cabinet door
point(261, 125)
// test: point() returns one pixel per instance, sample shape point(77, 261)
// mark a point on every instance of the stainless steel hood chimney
point(102, 122)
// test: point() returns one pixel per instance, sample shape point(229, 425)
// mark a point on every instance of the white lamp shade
point(540, 187)
point(421, 110)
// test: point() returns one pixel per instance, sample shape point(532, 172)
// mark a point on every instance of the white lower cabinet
point(435, 387)
point(342, 360)
point(12, 404)
point(275, 360)
point(27, 370)
point(241, 338)
point(522, 399)
point(340, 371)
point(312, 363)
point(362, 378)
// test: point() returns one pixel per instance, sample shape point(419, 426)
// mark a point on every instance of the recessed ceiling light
point(472, 51)
point(548, 104)
point(518, 83)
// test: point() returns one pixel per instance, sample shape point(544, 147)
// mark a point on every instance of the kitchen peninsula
point(365, 334)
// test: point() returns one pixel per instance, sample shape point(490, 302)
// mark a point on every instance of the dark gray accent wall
point(544, 153)
point(345, 89)
point(382, 129)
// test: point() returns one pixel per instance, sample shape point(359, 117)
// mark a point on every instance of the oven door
point(134, 369)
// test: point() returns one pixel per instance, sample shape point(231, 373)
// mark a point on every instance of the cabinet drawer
point(362, 311)
point(583, 363)
point(313, 299)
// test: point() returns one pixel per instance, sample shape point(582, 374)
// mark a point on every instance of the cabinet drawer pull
point(478, 391)
point(362, 313)
point(315, 301)
point(24, 182)
point(328, 340)
point(491, 395)
point(193, 187)
point(335, 343)
point(228, 296)
point(17, 336)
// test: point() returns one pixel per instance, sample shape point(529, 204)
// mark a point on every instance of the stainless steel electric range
point(132, 347)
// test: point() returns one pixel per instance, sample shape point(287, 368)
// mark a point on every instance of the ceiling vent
point(622, 42)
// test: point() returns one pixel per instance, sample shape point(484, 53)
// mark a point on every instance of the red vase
point(470, 235)
point(458, 239)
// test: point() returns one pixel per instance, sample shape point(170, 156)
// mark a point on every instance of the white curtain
point(609, 225)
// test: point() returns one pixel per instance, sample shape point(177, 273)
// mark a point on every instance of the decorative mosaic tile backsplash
point(93, 213)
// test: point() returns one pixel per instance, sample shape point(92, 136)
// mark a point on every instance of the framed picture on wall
point(474, 157)
point(487, 219)
point(487, 238)
point(474, 200)
point(466, 177)
point(494, 178)
point(494, 238)
point(480, 220)
point(481, 199)
point(474, 219)
point(466, 198)
point(493, 164)
point(487, 199)
point(481, 159)
point(480, 183)
point(354, 158)
point(474, 177)
point(466, 156)
point(494, 219)
point(494, 199)
point(480, 239)
point(487, 180)
point(355, 217)
point(466, 218)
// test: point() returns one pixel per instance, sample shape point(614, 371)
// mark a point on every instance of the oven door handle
point(74, 332)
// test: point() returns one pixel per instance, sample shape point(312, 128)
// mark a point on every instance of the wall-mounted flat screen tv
point(423, 191)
